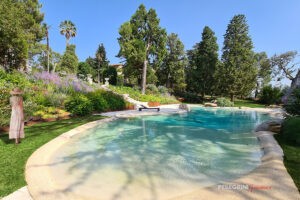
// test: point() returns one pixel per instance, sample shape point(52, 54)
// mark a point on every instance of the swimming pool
point(159, 157)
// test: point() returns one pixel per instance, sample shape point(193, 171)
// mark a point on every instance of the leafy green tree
point(204, 62)
point(264, 71)
point(270, 95)
point(83, 70)
point(239, 69)
point(20, 30)
point(101, 62)
point(171, 73)
point(283, 65)
point(111, 73)
point(93, 63)
point(69, 61)
point(54, 59)
point(142, 41)
point(68, 29)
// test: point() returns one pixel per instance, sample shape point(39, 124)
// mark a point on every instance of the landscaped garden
point(60, 91)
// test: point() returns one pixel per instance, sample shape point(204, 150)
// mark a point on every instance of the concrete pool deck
point(268, 181)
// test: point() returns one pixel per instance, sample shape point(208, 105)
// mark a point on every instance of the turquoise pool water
point(162, 153)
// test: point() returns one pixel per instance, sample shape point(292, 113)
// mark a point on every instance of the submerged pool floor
point(159, 157)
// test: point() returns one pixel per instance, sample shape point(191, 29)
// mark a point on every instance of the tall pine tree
point(142, 42)
point(239, 71)
point(171, 72)
point(69, 61)
point(204, 62)
point(101, 62)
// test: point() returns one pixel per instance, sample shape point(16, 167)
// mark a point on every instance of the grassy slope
point(248, 103)
point(135, 94)
point(291, 130)
point(13, 157)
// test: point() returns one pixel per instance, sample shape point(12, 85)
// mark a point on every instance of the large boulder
point(185, 107)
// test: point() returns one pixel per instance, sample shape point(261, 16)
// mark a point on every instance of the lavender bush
point(64, 84)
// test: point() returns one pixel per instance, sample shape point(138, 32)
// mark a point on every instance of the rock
point(210, 105)
point(185, 107)
point(274, 106)
point(274, 128)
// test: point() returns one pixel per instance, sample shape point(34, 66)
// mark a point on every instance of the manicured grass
point(248, 103)
point(137, 95)
point(13, 157)
point(289, 140)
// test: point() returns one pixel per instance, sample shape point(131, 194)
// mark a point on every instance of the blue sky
point(274, 24)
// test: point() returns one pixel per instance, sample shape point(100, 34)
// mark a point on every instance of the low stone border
point(270, 180)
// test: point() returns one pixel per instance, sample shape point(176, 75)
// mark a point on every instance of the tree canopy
point(172, 71)
point(20, 30)
point(264, 71)
point(203, 63)
point(101, 62)
point(68, 29)
point(283, 66)
point(142, 41)
point(238, 70)
point(69, 61)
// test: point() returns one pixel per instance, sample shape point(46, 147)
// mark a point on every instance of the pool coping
point(269, 180)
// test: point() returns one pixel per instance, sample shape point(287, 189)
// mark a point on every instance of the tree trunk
point(232, 97)
point(54, 67)
point(47, 35)
point(144, 76)
point(99, 81)
point(256, 90)
point(203, 95)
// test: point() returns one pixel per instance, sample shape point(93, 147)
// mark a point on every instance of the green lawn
point(289, 141)
point(248, 103)
point(137, 95)
point(13, 157)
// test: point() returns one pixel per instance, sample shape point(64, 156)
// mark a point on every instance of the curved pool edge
point(269, 180)
point(37, 165)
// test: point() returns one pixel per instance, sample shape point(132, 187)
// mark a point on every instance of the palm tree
point(68, 29)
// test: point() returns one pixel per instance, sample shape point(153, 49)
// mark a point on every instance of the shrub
point(67, 84)
point(290, 130)
point(8, 81)
point(79, 104)
point(115, 102)
point(163, 90)
point(151, 89)
point(189, 97)
point(223, 102)
point(99, 102)
point(270, 95)
point(292, 105)
point(106, 101)
point(120, 80)
point(50, 112)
